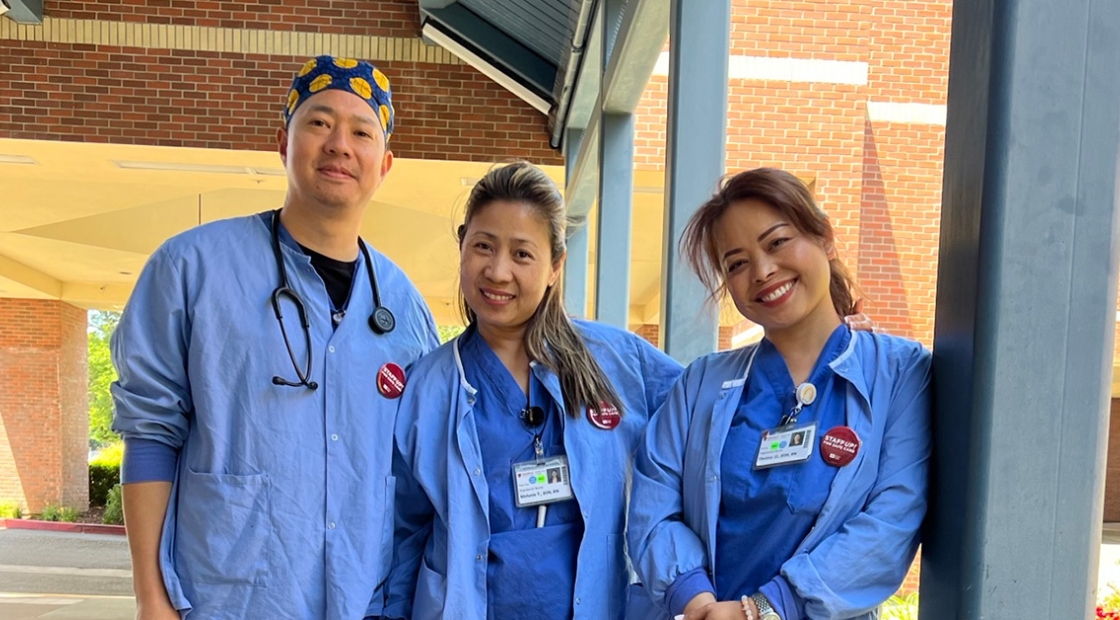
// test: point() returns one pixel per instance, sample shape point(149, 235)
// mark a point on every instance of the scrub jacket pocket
point(387, 524)
point(224, 528)
point(431, 589)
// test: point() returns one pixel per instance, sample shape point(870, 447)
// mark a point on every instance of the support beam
point(576, 262)
point(39, 284)
point(575, 270)
point(1025, 310)
point(640, 30)
point(483, 46)
point(25, 11)
point(695, 144)
point(585, 93)
point(583, 181)
point(643, 28)
point(616, 195)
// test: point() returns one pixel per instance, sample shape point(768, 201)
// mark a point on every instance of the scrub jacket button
point(330, 525)
point(334, 437)
point(478, 557)
point(331, 348)
point(477, 471)
point(577, 600)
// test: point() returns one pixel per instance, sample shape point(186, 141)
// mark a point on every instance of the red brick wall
point(73, 390)
point(908, 50)
point(900, 226)
point(913, 577)
point(43, 410)
point(651, 333)
point(800, 28)
point(1112, 468)
point(100, 93)
point(388, 18)
point(879, 182)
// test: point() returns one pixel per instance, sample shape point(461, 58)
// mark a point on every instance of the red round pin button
point(839, 446)
point(390, 381)
point(606, 417)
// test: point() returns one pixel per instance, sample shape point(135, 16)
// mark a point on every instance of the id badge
point(786, 445)
point(542, 482)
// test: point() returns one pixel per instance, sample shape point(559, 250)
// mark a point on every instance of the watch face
point(770, 616)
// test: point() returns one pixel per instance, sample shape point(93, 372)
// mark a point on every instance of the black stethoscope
point(381, 321)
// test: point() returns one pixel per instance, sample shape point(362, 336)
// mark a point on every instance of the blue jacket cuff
point(782, 599)
point(147, 460)
point(686, 587)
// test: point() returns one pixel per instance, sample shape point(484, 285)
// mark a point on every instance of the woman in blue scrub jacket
point(485, 527)
point(785, 480)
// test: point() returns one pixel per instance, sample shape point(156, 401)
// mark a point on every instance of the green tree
point(101, 375)
point(447, 332)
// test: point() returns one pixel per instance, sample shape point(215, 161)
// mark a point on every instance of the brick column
point(44, 411)
point(649, 332)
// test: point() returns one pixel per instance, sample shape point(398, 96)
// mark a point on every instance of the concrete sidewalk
point(18, 606)
point(53, 606)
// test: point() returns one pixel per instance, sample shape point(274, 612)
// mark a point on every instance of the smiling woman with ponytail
point(481, 531)
point(784, 480)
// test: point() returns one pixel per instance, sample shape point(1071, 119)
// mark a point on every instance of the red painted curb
point(54, 526)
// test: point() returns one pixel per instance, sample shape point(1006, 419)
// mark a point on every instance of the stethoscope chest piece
point(382, 320)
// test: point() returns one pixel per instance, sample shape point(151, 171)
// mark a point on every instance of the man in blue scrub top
point(260, 361)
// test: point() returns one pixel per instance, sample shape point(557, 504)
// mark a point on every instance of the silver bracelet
point(748, 611)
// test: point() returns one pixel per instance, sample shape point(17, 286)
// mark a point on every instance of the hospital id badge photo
point(542, 482)
point(786, 445)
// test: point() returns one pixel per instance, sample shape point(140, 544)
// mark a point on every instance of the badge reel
point(543, 480)
point(790, 442)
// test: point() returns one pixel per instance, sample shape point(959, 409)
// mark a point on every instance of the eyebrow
point(516, 240)
point(326, 109)
point(765, 234)
point(771, 229)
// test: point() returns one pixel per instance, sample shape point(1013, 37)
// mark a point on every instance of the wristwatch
point(765, 611)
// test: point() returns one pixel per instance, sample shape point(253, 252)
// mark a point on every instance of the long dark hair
point(550, 336)
point(789, 197)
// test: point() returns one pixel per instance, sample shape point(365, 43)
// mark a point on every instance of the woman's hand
point(729, 610)
point(156, 610)
point(697, 603)
point(859, 321)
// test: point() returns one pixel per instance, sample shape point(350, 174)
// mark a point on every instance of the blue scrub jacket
point(279, 507)
point(443, 525)
point(863, 542)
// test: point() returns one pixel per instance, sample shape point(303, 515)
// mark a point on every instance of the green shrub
point(10, 509)
point(114, 509)
point(101, 479)
point(67, 514)
point(1109, 601)
point(110, 455)
point(104, 472)
point(50, 512)
point(901, 607)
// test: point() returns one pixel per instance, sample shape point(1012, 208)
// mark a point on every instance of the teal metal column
point(576, 262)
point(1025, 310)
point(616, 192)
point(699, 39)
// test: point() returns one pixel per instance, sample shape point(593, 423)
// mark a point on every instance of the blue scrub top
point(282, 497)
point(530, 571)
point(764, 514)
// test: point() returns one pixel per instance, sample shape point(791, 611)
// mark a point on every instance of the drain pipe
point(575, 65)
